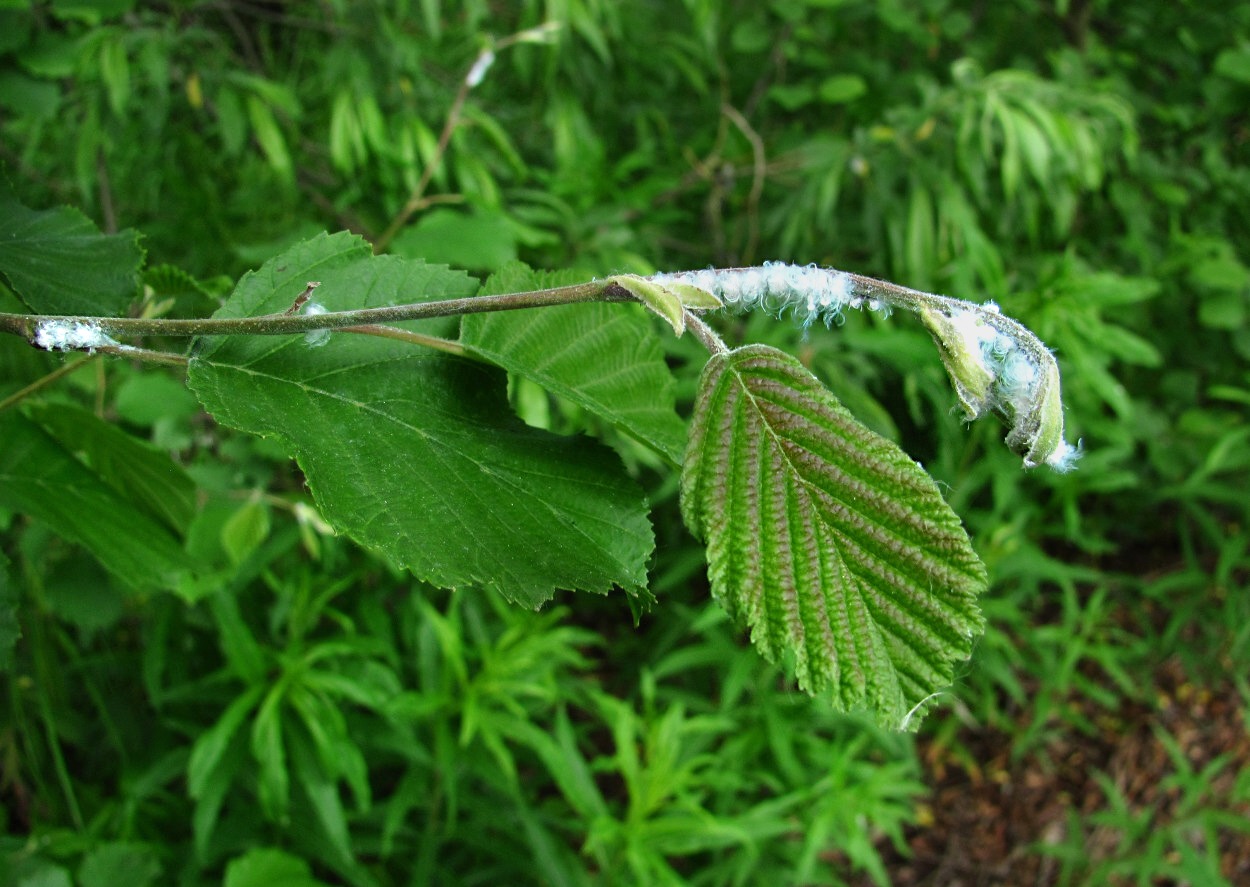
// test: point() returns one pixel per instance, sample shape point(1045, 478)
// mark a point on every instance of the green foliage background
point(302, 710)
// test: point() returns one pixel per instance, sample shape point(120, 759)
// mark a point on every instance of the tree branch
point(99, 330)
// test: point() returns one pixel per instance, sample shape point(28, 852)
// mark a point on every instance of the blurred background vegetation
point(305, 714)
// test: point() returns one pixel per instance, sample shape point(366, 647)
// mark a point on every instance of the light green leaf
point(608, 360)
point(132, 864)
point(40, 478)
point(274, 782)
point(415, 452)
point(658, 298)
point(270, 137)
point(479, 239)
point(921, 237)
point(826, 539)
point(842, 88)
point(694, 297)
point(115, 71)
point(58, 262)
point(39, 873)
point(246, 529)
point(153, 399)
point(268, 867)
point(1234, 64)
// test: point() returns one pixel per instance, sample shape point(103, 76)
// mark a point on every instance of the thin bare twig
point(44, 381)
point(758, 172)
point(473, 76)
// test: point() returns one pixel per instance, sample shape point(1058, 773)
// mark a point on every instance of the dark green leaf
point(58, 262)
point(322, 792)
point(147, 478)
point(210, 748)
point(608, 360)
point(826, 539)
point(416, 452)
point(40, 478)
point(10, 629)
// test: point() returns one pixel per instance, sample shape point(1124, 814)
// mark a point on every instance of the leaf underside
point(826, 539)
point(414, 452)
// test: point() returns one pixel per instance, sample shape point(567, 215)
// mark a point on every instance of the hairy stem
point(705, 334)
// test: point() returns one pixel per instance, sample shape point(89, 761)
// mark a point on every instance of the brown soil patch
point(988, 815)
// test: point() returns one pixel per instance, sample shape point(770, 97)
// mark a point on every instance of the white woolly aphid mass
point(1012, 368)
point(811, 292)
point(70, 335)
point(1007, 375)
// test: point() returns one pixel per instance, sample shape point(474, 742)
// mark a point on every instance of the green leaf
point(115, 71)
point(657, 297)
point(694, 297)
point(135, 865)
point(842, 88)
point(210, 748)
point(244, 654)
point(90, 12)
point(1234, 64)
point(324, 801)
point(10, 628)
point(415, 452)
point(826, 539)
point(479, 240)
point(40, 478)
point(211, 796)
point(246, 529)
point(269, 135)
point(268, 867)
point(58, 262)
point(39, 873)
point(144, 476)
point(148, 399)
point(608, 360)
point(274, 782)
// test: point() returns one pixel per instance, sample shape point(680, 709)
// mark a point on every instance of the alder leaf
point(40, 477)
point(414, 452)
point(605, 358)
point(826, 539)
point(58, 262)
